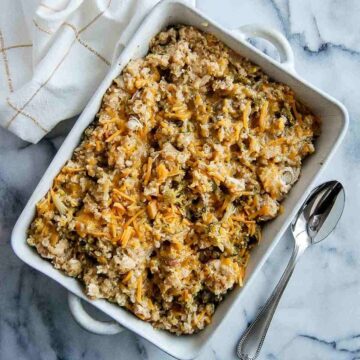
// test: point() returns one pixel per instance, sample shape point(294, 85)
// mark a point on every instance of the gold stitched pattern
point(6, 63)
point(46, 31)
point(95, 18)
point(26, 115)
point(15, 47)
point(50, 7)
point(20, 110)
point(42, 85)
point(82, 42)
point(87, 46)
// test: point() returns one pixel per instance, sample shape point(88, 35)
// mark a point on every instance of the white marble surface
point(318, 317)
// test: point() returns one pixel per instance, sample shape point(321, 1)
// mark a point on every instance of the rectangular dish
point(335, 121)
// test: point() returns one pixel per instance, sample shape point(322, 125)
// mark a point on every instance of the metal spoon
point(315, 220)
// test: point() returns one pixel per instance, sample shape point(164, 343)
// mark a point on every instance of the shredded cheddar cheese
point(193, 148)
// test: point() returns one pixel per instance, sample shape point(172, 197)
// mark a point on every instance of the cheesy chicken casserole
point(193, 148)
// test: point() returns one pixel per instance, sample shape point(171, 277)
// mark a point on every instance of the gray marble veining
point(318, 317)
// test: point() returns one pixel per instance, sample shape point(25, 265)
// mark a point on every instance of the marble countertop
point(318, 317)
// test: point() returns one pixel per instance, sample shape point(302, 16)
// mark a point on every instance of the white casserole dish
point(335, 122)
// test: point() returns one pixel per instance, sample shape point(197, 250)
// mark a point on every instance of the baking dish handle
point(273, 36)
point(88, 322)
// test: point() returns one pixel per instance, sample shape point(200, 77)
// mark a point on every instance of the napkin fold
point(54, 54)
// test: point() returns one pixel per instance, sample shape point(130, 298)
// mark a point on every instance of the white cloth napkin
point(53, 55)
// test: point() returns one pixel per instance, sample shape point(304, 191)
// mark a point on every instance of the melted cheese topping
point(193, 147)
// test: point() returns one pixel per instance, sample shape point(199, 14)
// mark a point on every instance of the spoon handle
point(251, 342)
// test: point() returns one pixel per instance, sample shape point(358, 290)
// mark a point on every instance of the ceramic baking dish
point(335, 121)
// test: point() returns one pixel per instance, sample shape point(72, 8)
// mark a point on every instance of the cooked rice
point(193, 148)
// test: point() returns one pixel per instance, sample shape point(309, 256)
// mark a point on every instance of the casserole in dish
point(193, 148)
point(334, 124)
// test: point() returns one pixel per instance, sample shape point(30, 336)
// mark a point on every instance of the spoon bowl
point(320, 212)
